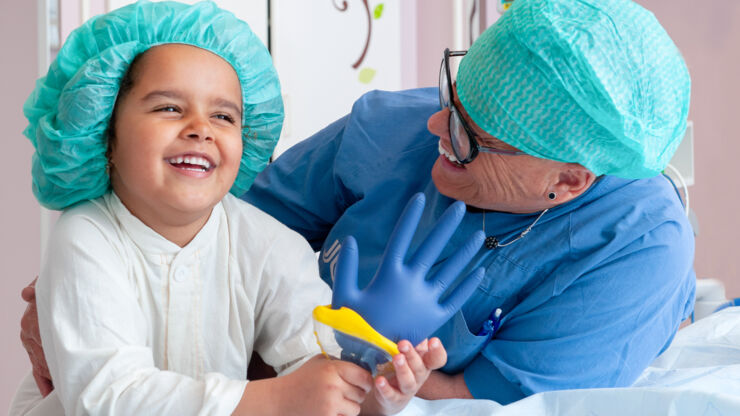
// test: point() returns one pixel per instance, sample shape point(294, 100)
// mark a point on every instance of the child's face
point(178, 136)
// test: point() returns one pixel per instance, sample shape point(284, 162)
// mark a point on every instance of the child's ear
point(109, 153)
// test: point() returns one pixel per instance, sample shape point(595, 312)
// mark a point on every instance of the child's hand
point(322, 387)
point(412, 368)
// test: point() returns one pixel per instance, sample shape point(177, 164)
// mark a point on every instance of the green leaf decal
point(378, 11)
point(366, 75)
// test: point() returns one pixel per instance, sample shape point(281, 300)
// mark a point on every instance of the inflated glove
point(401, 301)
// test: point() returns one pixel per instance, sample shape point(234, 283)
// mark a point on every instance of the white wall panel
point(314, 47)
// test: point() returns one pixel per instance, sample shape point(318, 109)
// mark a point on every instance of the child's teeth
point(191, 160)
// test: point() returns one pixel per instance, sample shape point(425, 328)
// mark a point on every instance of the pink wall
point(708, 35)
point(434, 34)
point(19, 215)
point(19, 218)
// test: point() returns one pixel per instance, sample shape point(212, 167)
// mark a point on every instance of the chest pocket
point(462, 345)
point(505, 284)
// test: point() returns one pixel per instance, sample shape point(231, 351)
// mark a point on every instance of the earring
point(552, 196)
point(107, 168)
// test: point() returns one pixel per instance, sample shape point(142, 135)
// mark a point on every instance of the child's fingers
point(354, 375)
point(423, 347)
point(436, 357)
point(405, 377)
point(358, 384)
point(348, 407)
point(415, 363)
point(386, 395)
point(354, 393)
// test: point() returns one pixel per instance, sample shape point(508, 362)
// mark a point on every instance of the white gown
point(133, 324)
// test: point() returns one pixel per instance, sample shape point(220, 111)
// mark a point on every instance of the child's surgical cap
point(594, 82)
point(70, 108)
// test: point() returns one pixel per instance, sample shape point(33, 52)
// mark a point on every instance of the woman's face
point(511, 183)
point(178, 136)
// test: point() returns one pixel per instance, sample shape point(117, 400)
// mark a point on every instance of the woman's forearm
point(442, 386)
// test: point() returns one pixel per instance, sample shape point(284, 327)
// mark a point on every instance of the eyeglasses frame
point(475, 147)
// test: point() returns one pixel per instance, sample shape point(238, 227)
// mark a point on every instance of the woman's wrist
point(442, 386)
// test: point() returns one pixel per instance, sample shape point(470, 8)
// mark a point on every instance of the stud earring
point(552, 196)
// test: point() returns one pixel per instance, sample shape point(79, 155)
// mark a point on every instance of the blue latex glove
point(400, 301)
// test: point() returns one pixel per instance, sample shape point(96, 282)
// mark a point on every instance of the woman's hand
point(319, 387)
point(31, 339)
point(402, 301)
point(412, 368)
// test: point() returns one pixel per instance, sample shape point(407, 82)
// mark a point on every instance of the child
point(155, 293)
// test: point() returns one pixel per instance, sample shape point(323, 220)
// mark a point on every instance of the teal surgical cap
point(69, 110)
point(594, 82)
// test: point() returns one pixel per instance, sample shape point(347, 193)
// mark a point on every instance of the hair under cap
point(594, 82)
point(70, 108)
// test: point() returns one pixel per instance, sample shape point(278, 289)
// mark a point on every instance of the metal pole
point(84, 10)
point(458, 24)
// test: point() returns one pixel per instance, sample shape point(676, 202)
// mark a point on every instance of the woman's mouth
point(449, 156)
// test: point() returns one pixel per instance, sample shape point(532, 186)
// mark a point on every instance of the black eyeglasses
point(462, 137)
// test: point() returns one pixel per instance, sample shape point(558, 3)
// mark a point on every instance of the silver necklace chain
point(492, 242)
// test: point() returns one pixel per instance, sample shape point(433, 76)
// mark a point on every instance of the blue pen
point(492, 324)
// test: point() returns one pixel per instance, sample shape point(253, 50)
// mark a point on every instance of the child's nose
point(199, 129)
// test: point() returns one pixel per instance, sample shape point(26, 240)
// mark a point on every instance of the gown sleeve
point(289, 291)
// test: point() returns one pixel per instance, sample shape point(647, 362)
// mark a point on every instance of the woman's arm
point(31, 339)
point(444, 386)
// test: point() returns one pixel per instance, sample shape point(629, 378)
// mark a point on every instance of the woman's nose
point(198, 128)
point(439, 123)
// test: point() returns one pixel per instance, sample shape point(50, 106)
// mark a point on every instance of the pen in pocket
point(492, 324)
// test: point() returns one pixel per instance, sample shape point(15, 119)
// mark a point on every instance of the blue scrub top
point(589, 297)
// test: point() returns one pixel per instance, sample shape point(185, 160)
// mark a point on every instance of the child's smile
point(192, 164)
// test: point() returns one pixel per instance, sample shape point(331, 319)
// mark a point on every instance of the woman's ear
point(573, 180)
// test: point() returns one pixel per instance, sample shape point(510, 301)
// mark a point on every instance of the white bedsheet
point(698, 375)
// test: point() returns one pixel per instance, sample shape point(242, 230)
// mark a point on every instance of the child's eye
point(225, 117)
point(168, 109)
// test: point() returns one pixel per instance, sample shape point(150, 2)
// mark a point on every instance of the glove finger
point(345, 290)
point(437, 239)
point(456, 263)
point(398, 243)
point(463, 291)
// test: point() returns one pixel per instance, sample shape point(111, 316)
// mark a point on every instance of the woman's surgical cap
point(594, 82)
point(70, 108)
